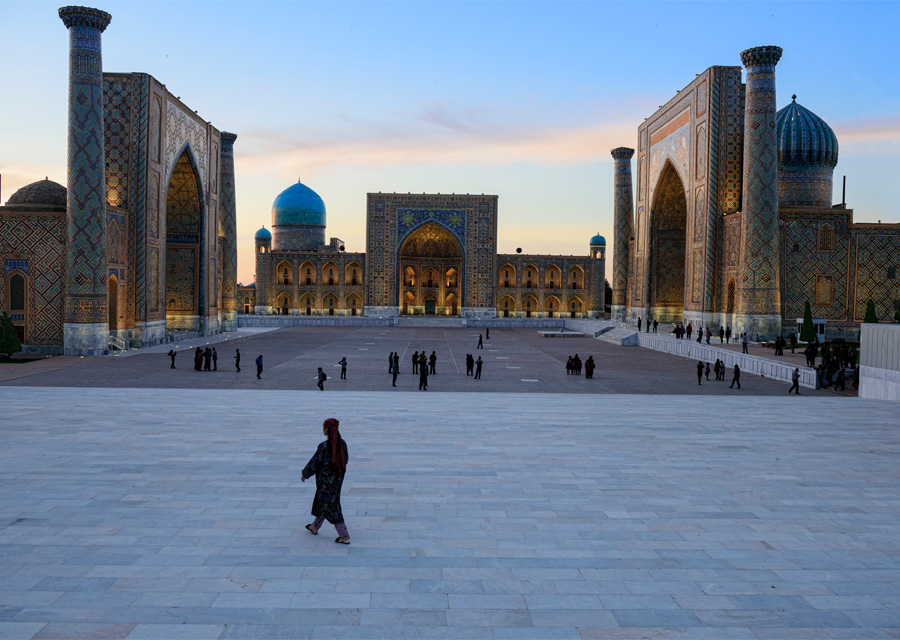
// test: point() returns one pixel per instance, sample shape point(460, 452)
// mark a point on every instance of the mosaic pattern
point(228, 222)
point(182, 269)
point(183, 209)
point(668, 243)
point(182, 131)
point(624, 227)
point(454, 220)
point(86, 291)
point(117, 129)
point(877, 250)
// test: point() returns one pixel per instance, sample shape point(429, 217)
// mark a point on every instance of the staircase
point(429, 321)
point(115, 342)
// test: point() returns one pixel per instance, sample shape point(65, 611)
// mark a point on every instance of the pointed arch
point(576, 307)
point(308, 274)
point(185, 275)
point(353, 303)
point(553, 277)
point(530, 276)
point(668, 252)
point(284, 304)
point(575, 277)
point(330, 303)
point(507, 276)
point(353, 274)
point(506, 306)
point(284, 273)
point(530, 305)
point(330, 274)
point(551, 306)
point(307, 304)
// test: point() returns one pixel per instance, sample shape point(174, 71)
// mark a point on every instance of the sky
point(522, 100)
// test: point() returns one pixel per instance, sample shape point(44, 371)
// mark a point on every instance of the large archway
point(184, 247)
point(430, 259)
point(667, 247)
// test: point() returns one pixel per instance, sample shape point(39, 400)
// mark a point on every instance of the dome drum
point(298, 238)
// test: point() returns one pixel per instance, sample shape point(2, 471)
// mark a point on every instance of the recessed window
point(892, 273)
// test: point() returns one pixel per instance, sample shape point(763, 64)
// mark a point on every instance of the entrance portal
point(184, 247)
point(667, 247)
point(430, 251)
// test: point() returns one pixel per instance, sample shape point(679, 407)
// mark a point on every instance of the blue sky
point(519, 99)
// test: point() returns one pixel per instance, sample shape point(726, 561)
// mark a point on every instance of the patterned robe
point(327, 503)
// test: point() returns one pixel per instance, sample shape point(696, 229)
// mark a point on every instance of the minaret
point(759, 290)
point(264, 272)
point(229, 225)
point(85, 318)
point(623, 202)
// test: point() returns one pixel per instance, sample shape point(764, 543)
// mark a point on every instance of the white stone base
point(759, 327)
point(86, 339)
point(478, 312)
point(262, 310)
point(148, 334)
point(228, 320)
point(879, 384)
point(618, 313)
point(386, 312)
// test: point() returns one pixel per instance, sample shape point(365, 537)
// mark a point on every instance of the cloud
point(869, 134)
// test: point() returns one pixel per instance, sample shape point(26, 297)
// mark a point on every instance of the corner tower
point(759, 290)
point(229, 229)
point(623, 203)
point(85, 316)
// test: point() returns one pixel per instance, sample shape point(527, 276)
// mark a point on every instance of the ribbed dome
point(298, 205)
point(42, 192)
point(804, 139)
point(263, 234)
point(598, 239)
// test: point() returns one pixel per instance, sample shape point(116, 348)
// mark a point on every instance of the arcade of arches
point(430, 264)
point(668, 237)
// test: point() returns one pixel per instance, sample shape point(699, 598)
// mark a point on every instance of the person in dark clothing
point(415, 362)
point(423, 361)
point(480, 343)
point(688, 330)
point(589, 367)
point(172, 355)
point(840, 379)
point(721, 335)
point(397, 362)
point(639, 324)
point(207, 359)
point(423, 376)
point(728, 335)
point(793, 340)
point(237, 360)
point(432, 360)
point(487, 333)
point(478, 364)
point(745, 340)
point(390, 361)
point(570, 366)
point(343, 363)
point(707, 372)
point(198, 359)
point(717, 369)
point(320, 379)
point(328, 465)
point(470, 364)
point(259, 366)
point(736, 377)
point(700, 373)
point(215, 357)
point(795, 381)
point(395, 369)
point(655, 326)
point(576, 361)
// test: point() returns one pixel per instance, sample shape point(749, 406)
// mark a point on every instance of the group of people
point(574, 364)
point(473, 364)
point(208, 360)
point(651, 324)
point(719, 369)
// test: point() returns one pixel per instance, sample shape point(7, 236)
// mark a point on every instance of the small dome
point(804, 138)
point(42, 192)
point(598, 239)
point(263, 234)
point(298, 205)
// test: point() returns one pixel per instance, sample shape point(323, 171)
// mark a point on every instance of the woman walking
point(329, 464)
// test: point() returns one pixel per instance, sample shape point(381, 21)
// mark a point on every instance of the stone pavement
point(516, 361)
point(143, 513)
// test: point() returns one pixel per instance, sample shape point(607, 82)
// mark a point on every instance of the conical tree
point(871, 316)
point(808, 330)
point(9, 341)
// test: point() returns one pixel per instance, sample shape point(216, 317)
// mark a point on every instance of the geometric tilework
point(228, 223)
point(803, 265)
point(624, 216)
point(183, 203)
point(876, 252)
point(669, 217)
point(182, 266)
point(117, 125)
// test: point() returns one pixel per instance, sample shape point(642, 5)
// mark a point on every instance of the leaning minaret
point(759, 290)
point(623, 201)
point(229, 226)
point(85, 319)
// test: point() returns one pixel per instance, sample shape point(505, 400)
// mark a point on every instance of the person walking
point(432, 361)
point(397, 361)
point(172, 355)
point(423, 376)
point(415, 361)
point(707, 372)
point(708, 334)
point(655, 326)
point(237, 360)
point(390, 362)
point(480, 343)
point(736, 377)
point(207, 359)
point(215, 357)
point(700, 373)
point(198, 359)
point(721, 335)
point(639, 324)
point(470, 364)
point(487, 333)
point(727, 335)
point(320, 379)
point(478, 364)
point(795, 381)
point(328, 465)
point(395, 369)
point(259, 367)
point(343, 363)
point(589, 367)
point(745, 340)
point(577, 363)
point(688, 330)
point(570, 366)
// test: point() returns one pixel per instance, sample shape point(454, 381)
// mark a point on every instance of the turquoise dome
point(598, 239)
point(263, 234)
point(298, 205)
point(804, 139)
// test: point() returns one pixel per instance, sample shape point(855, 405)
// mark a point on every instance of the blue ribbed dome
point(598, 239)
point(298, 205)
point(263, 234)
point(804, 139)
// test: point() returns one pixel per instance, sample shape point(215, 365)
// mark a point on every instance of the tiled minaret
point(229, 224)
point(623, 201)
point(85, 318)
point(759, 292)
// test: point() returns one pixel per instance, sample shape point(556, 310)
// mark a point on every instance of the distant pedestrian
point(639, 324)
point(487, 333)
point(207, 359)
point(795, 381)
point(699, 373)
point(343, 363)
point(198, 359)
point(423, 376)
point(721, 335)
point(736, 377)
point(708, 334)
point(390, 361)
point(470, 364)
point(727, 335)
point(707, 372)
point(395, 370)
point(237, 360)
point(688, 330)
point(649, 323)
point(432, 361)
point(716, 369)
point(259, 367)
point(320, 379)
point(172, 355)
point(423, 362)
point(415, 362)
point(589, 367)
point(328, 465)
point(480, 343)
point(215, 357)
point(478, 364)
point(577, 362)
point(793, 340)
point(655, 326)
point(745, 340)
point(570, 366)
